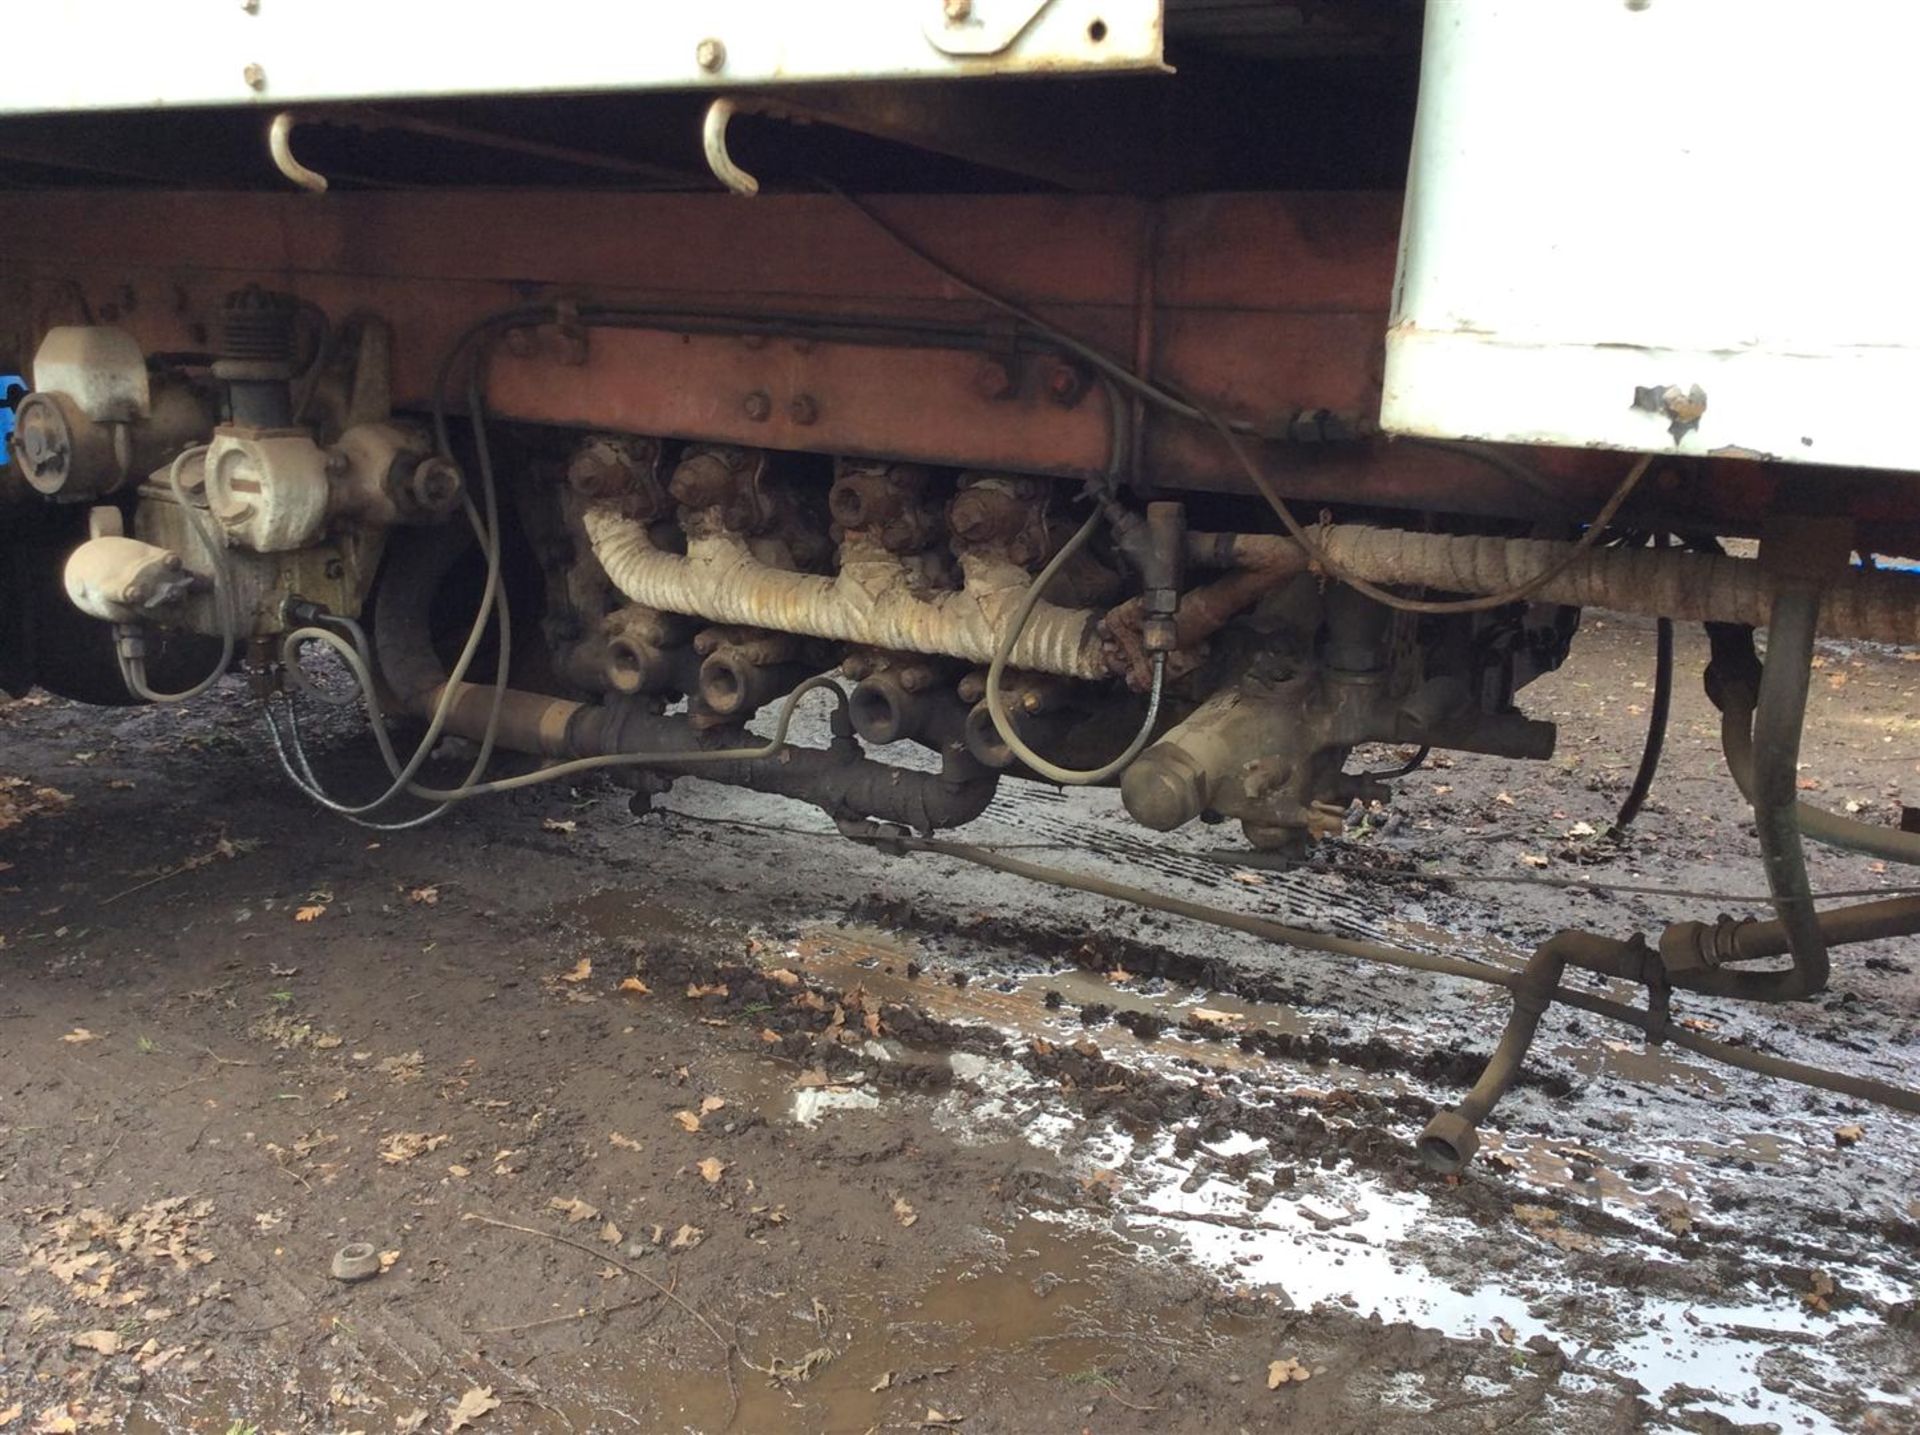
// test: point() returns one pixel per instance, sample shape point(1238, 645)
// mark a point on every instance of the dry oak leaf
point(103, 1342)
point(475, 1403)
point(695, 990)
point(711, 1104)
point(78, 1035)
point(576, 1209)
point(636, 986)
point(625, 1143)
point(711, 1170)
point(1847, 1135)
point(424, 896)
point(582, 969)
point(783, 976)
point(939, 1420)
point(312, 912)
point(688, 1121)
point(388, 1260)
point(686, 1238)
point(558, 824)
point(11, 1413)
point(904, 1213)
point(611, 1234)
point(1282, 1372)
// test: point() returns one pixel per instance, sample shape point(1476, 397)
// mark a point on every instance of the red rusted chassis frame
point(1262, 304)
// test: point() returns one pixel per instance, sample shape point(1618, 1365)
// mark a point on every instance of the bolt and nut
point(710, 55)
point(255, 76)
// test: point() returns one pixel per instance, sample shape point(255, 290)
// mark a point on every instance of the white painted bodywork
point(1610, 195)
point(133, 54)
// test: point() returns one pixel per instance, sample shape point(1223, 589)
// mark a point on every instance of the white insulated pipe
point(870, 601)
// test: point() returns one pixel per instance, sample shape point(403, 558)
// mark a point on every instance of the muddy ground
point(665, 1122)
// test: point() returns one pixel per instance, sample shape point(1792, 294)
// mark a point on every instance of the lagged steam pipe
point(869, 602)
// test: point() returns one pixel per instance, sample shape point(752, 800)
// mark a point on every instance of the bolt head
point(804, 409)
point(255, 76)
point(995, 379)
point(757, 406)
point(958, 11)
point(710, 55)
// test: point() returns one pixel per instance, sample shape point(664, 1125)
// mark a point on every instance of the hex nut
point(356, 1261)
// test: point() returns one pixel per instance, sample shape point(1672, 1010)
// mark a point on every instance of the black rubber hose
point(1657, 713)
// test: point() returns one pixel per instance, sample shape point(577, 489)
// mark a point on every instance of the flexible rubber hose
point(996, 700)
point(133, 671)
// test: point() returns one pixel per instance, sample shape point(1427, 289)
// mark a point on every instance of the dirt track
point(892, 1143)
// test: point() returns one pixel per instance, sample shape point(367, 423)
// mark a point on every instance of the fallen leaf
point(424, 896)
point(1119, 976)
point(1284, 1372)
point(783, 976)
point(475, 1403)
point(11, 1413)
point(559, 824)
point(1847, 1135)
point(686, 1238)
point(688, 1121)
point(695, 990)
point(904, 1213)
point(582, 969)
point(636, 986)
point(1206, 1017)
point(1533, 859)
point(711, 1104)
point(389, 1259)
point(410, 1422)
point(103, 1342)
point(78, 1035)
point(711, 1170)
point(459, 1172)
point(769, 1036)
point(403, 1146)
point(611, 1234)
point(576, 1209)
point(938, 1420)
point(625, 1143)
point(310, 913)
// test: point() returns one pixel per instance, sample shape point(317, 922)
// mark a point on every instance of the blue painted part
point(12, 386)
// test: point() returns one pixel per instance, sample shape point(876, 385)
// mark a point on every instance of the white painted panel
point(124, 54)
point(1610, 195)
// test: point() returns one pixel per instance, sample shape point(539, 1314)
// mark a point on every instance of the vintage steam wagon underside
point(1175, 396)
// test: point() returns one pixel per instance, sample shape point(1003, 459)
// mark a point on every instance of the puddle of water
point(618, 915)
point(1037, 1300)
point(1016, 1006)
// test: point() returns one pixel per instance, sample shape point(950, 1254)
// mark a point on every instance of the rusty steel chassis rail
point(1273, 302)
